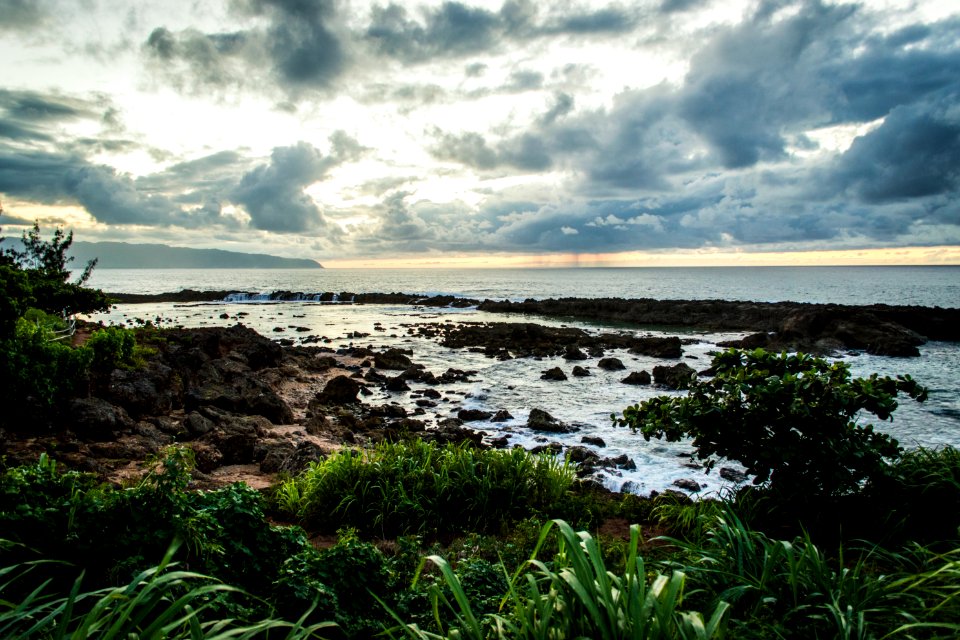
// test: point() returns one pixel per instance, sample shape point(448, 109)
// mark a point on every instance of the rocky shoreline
point(879, 329)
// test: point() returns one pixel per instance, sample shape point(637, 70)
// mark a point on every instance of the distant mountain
point(121, 255)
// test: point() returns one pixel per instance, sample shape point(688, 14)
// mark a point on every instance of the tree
point(791, 420)
point(37, 277)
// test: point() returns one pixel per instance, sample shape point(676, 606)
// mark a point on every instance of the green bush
point(418, 487)
point(791, 420)
point(112, 347)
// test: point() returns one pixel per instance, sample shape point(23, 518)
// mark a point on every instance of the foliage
point(112, 347)
point(36, 370)
point(791, 420)
point(46, 285)
point(792, 589)
point(160, 602)
point(418, 487)
point(575, 596)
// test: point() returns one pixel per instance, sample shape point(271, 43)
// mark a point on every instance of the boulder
point(580, 372)
point(678, 376)
point(501, 416)
point(540, 420)
point(472, 415)
point(555, 373)
point(571, 352)
point(687, 484)
point(339, 391)
point(394, 359)
point(637, 378)
point(596, 441)
point(611, 364)
point(94, 419)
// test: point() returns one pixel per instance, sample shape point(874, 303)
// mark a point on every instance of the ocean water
point(515, 385)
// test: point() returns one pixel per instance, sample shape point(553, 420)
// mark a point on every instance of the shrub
point(418, 487)
point(112, 347)
point(791, 420)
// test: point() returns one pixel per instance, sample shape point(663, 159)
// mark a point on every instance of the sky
point(504, 133)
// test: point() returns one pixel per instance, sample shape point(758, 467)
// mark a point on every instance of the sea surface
point(515, 385)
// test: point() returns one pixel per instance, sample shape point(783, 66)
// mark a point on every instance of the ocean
point(587, 403)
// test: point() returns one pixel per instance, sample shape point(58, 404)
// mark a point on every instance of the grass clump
point(416, 487)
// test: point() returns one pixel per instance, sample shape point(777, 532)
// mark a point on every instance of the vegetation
point(414, 487)
point(39, 369)
point(791, 420)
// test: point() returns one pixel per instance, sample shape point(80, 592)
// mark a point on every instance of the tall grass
point(575, 596)
point(418, 487)
point(159, 603)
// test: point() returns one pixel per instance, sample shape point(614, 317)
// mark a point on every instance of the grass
point(159, 603)
point(418, 488)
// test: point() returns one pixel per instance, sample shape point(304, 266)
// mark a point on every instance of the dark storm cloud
point(298, 50)
point(457, 29)
point(273, 194)
point(915, 153)
point(34, 116)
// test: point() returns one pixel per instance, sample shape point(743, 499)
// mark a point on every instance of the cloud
point(273, 194)
point(455, 29)
point(915, 153)
point(298, 50)
point(21, 15)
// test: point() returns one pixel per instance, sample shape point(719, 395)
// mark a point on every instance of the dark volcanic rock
point(395, 359)
point(551, 448)
point(96, 419)
point(583, 456)
point(678, 376)
point(596, 441)
point(880, 328)
point(657, 347)
point(339, 391)
point(611, 364)
point(580, 372)
point(687, 484)
point(732, 475)
point(396, 384)
point(637, 378)
point(555, 373)
point(573, 353)
point(501, 416)
point(540, 420)
point(471, 415)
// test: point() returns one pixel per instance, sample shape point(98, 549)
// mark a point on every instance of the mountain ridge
point(124, 255)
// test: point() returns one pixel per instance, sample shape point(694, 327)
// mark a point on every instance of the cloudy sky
point(499, 133)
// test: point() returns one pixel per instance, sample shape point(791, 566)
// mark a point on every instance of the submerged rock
point(678, 376)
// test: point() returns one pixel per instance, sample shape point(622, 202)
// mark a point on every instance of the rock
point(555, 373)
point(451, 433)
point(395, 359)
point(551, 448)
point(630, 487)
point(623, 461)
point(499, 442)
point(339, 391)
point(596, 441)
point(236, 437)
point(637, 378)
point(501, 416)
point(540, 420)
point(611, 364)
point(397, 384)
point(432, 394)
point(197, 424)
point(687, 484)
point(472, 415)
point(732, 475)
point(582, 456)
point(678, 376)
point(657, 347)
point(94, 419)
point(573, 353)
point(288, 458)
point(580, 372)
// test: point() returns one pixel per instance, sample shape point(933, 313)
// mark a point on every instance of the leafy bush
point(37, 371)
point(112, 347)
point(791, 420)
point(418, 487)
